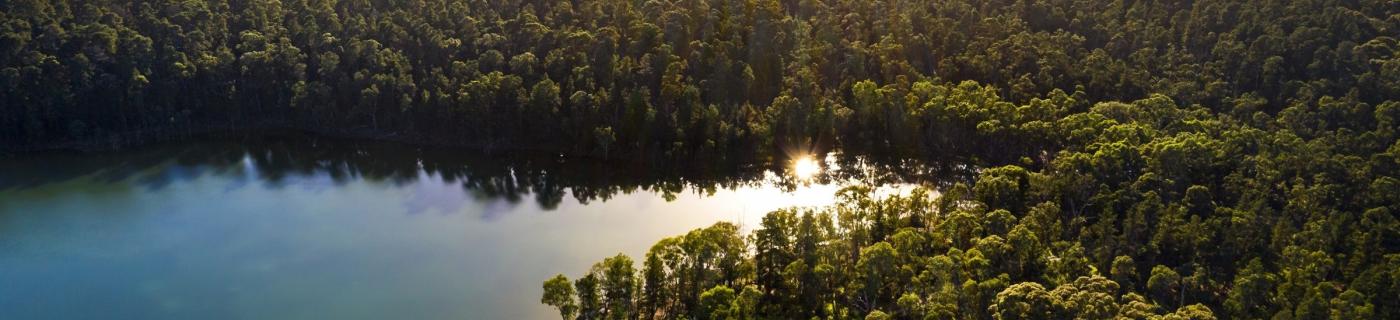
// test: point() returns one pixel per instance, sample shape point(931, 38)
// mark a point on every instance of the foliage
point(721, 79)
point(1136, 159)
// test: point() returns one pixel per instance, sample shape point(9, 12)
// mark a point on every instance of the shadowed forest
point(1135, 159)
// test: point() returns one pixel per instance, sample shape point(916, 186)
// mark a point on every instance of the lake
point(296, 227)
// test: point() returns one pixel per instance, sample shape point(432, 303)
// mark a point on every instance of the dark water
point(278, 228)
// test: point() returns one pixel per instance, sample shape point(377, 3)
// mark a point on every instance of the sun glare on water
point(805, 168)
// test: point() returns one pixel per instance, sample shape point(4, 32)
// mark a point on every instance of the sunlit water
point(207, 239)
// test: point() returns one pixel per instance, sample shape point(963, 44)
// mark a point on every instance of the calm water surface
point(325, 230)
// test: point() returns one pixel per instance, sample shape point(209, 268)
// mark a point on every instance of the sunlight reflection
point(805, 168)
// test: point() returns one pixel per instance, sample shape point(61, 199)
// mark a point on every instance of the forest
point(1208, 159)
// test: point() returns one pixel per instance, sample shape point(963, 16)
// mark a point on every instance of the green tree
point(1026, 300)
point(559, 293)
point(1165, 286)
point(619, 286)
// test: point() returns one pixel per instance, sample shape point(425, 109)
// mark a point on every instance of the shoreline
point(135, 139)
point(142, 138)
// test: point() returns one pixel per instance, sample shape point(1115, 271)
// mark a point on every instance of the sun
point(805, 168)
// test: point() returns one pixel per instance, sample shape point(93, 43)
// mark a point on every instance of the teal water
point(304, 229)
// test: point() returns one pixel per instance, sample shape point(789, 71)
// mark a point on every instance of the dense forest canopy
point(682, 77)
point(1140, 159)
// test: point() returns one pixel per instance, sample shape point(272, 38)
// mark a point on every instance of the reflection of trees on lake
point(274, 161)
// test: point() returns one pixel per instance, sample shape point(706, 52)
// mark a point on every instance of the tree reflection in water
point(276, 159)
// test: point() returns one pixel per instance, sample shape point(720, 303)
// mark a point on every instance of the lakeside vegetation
point(1141, 159)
